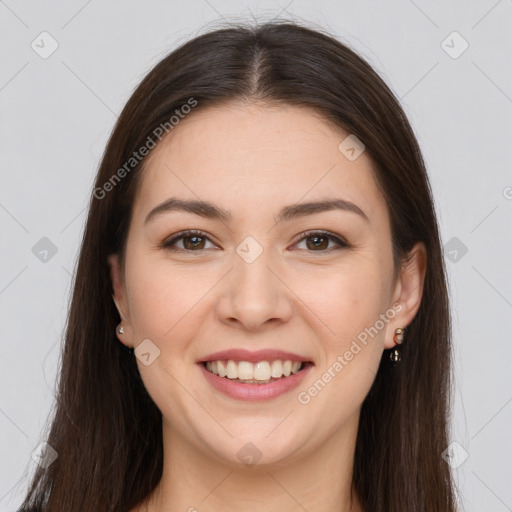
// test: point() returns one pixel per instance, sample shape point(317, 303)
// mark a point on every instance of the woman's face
point(252, 280)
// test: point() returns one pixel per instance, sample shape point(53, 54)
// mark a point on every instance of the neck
point(319, 480)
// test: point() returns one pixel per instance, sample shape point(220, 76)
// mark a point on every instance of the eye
point(320, 240)
point(192, 240)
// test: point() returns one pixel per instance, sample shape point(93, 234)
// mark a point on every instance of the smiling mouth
point(262, 372)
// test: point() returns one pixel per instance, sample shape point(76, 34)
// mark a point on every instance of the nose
point(254, 295)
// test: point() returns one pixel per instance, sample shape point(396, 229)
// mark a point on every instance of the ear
point(119, 296)
point(408, 290)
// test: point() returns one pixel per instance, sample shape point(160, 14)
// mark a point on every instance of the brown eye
point(319, 241)
point(193, 241)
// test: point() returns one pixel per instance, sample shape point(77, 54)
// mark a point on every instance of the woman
point(260, 314)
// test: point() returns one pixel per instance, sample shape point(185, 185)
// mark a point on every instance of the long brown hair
point(105, 428)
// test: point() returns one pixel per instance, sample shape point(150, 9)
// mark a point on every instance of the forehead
point(254, 155)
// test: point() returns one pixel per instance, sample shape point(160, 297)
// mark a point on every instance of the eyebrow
point(211, 211)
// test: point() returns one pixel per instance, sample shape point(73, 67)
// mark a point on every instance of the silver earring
point(121, 330)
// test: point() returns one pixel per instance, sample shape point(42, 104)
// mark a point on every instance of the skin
point(252, 159)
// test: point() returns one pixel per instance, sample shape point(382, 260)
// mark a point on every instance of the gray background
point(56, 115)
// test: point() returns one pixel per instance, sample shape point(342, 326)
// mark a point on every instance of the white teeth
point(231, 370)
point(221, 369)
point(262, 371)
point(277, 369)
point(245, 370)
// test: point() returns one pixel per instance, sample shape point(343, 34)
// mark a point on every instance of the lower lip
point(253, 392)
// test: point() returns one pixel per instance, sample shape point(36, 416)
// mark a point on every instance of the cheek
point(165, 302)
point(349, 304)
point(154, 300)
point(346, 300)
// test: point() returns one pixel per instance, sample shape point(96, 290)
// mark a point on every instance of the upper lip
point(241, 354)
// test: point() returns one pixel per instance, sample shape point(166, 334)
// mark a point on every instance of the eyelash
point(170, 244)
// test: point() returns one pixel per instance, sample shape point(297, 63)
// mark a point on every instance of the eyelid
point(168, 243)
point(339, 240)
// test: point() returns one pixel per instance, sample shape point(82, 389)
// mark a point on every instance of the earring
point(130, 350)
point(398, 338)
